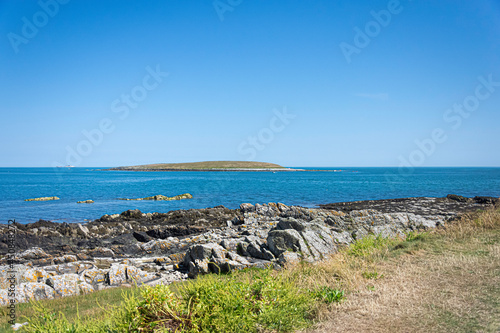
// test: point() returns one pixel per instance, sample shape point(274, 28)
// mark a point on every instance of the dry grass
point(448, 282)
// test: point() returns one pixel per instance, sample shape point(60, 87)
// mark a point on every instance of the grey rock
point(65, 284)
point(288, 257)
point(280, 241)
point(247, 208)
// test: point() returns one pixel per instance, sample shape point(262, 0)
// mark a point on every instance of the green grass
point(90, 307)
point(204, 166)
point(249, 301)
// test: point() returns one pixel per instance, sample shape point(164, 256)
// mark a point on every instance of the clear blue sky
point(231, 66)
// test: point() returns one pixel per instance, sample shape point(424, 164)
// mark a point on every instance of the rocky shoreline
point(60, 259)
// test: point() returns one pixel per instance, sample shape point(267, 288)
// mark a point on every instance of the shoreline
point(55, 259)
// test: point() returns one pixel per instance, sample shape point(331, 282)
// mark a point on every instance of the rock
point(247, 208)
point(336, 222)
point(344, 237)
point(159, 246)
point(117, 275)
point(211, 257)
point(101, 252)
point(132, 214)
point(82, 231)
point(85, 202)
point(142, 236)
point(83, 256)
point(288, 257)
point(458, 198)
point(230, 244)
point(486, 200)
point(291, 223)
point(259, 251)
point(42, 199)
point(33, 275)
point(21, 274)
point(316, 237)
point(65, 284)
point(38, 291)
point(267, 210)
point(4, 297)
point(137, 276)
point(205, 251)
point(94, 276)
point(103, 263)
point(33, 253)
point(280, 241)
point(197, 267)
point(26, 292)
point(85, 288)
point(65, 259)
point(17, 326)
point(319, 241)
point(160, 197)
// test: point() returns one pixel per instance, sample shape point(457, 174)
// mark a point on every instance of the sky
point(299, 83)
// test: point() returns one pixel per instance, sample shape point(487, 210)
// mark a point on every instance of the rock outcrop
point(85, 202)
point(42, 199)
point(160, 197)
point(61, 259)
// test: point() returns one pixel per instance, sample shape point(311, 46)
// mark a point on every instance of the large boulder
point(117, 275)
point(280, 241)
point(21, 274)
point(94, 276)
point(66, 284)
point(311, 240)
point(26, 292)
point(38, 291)
point(211, 257)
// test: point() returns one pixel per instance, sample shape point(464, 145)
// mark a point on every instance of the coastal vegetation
point(444, 279)
point(208, 165)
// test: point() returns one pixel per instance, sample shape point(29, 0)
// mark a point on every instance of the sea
point(212, 188)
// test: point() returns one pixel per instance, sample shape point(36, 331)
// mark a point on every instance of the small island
point(207, 166)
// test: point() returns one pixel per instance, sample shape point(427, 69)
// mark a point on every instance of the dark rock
point(486, 200)
point(280, 241)
point(423, 206)
point(132, 214)
point(142, 236)
point(458, 198)
point(125, 239)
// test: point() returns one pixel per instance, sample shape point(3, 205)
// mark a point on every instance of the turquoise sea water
point(221, 188)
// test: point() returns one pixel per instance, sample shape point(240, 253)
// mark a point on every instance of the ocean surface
point(308, 188)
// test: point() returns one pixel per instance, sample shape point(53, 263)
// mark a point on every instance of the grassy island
point(207, 166)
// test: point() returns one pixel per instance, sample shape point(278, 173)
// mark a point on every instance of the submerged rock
point(160, 197)
point(42, 199)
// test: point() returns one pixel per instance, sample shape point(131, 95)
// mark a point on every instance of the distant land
point(208, 166)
